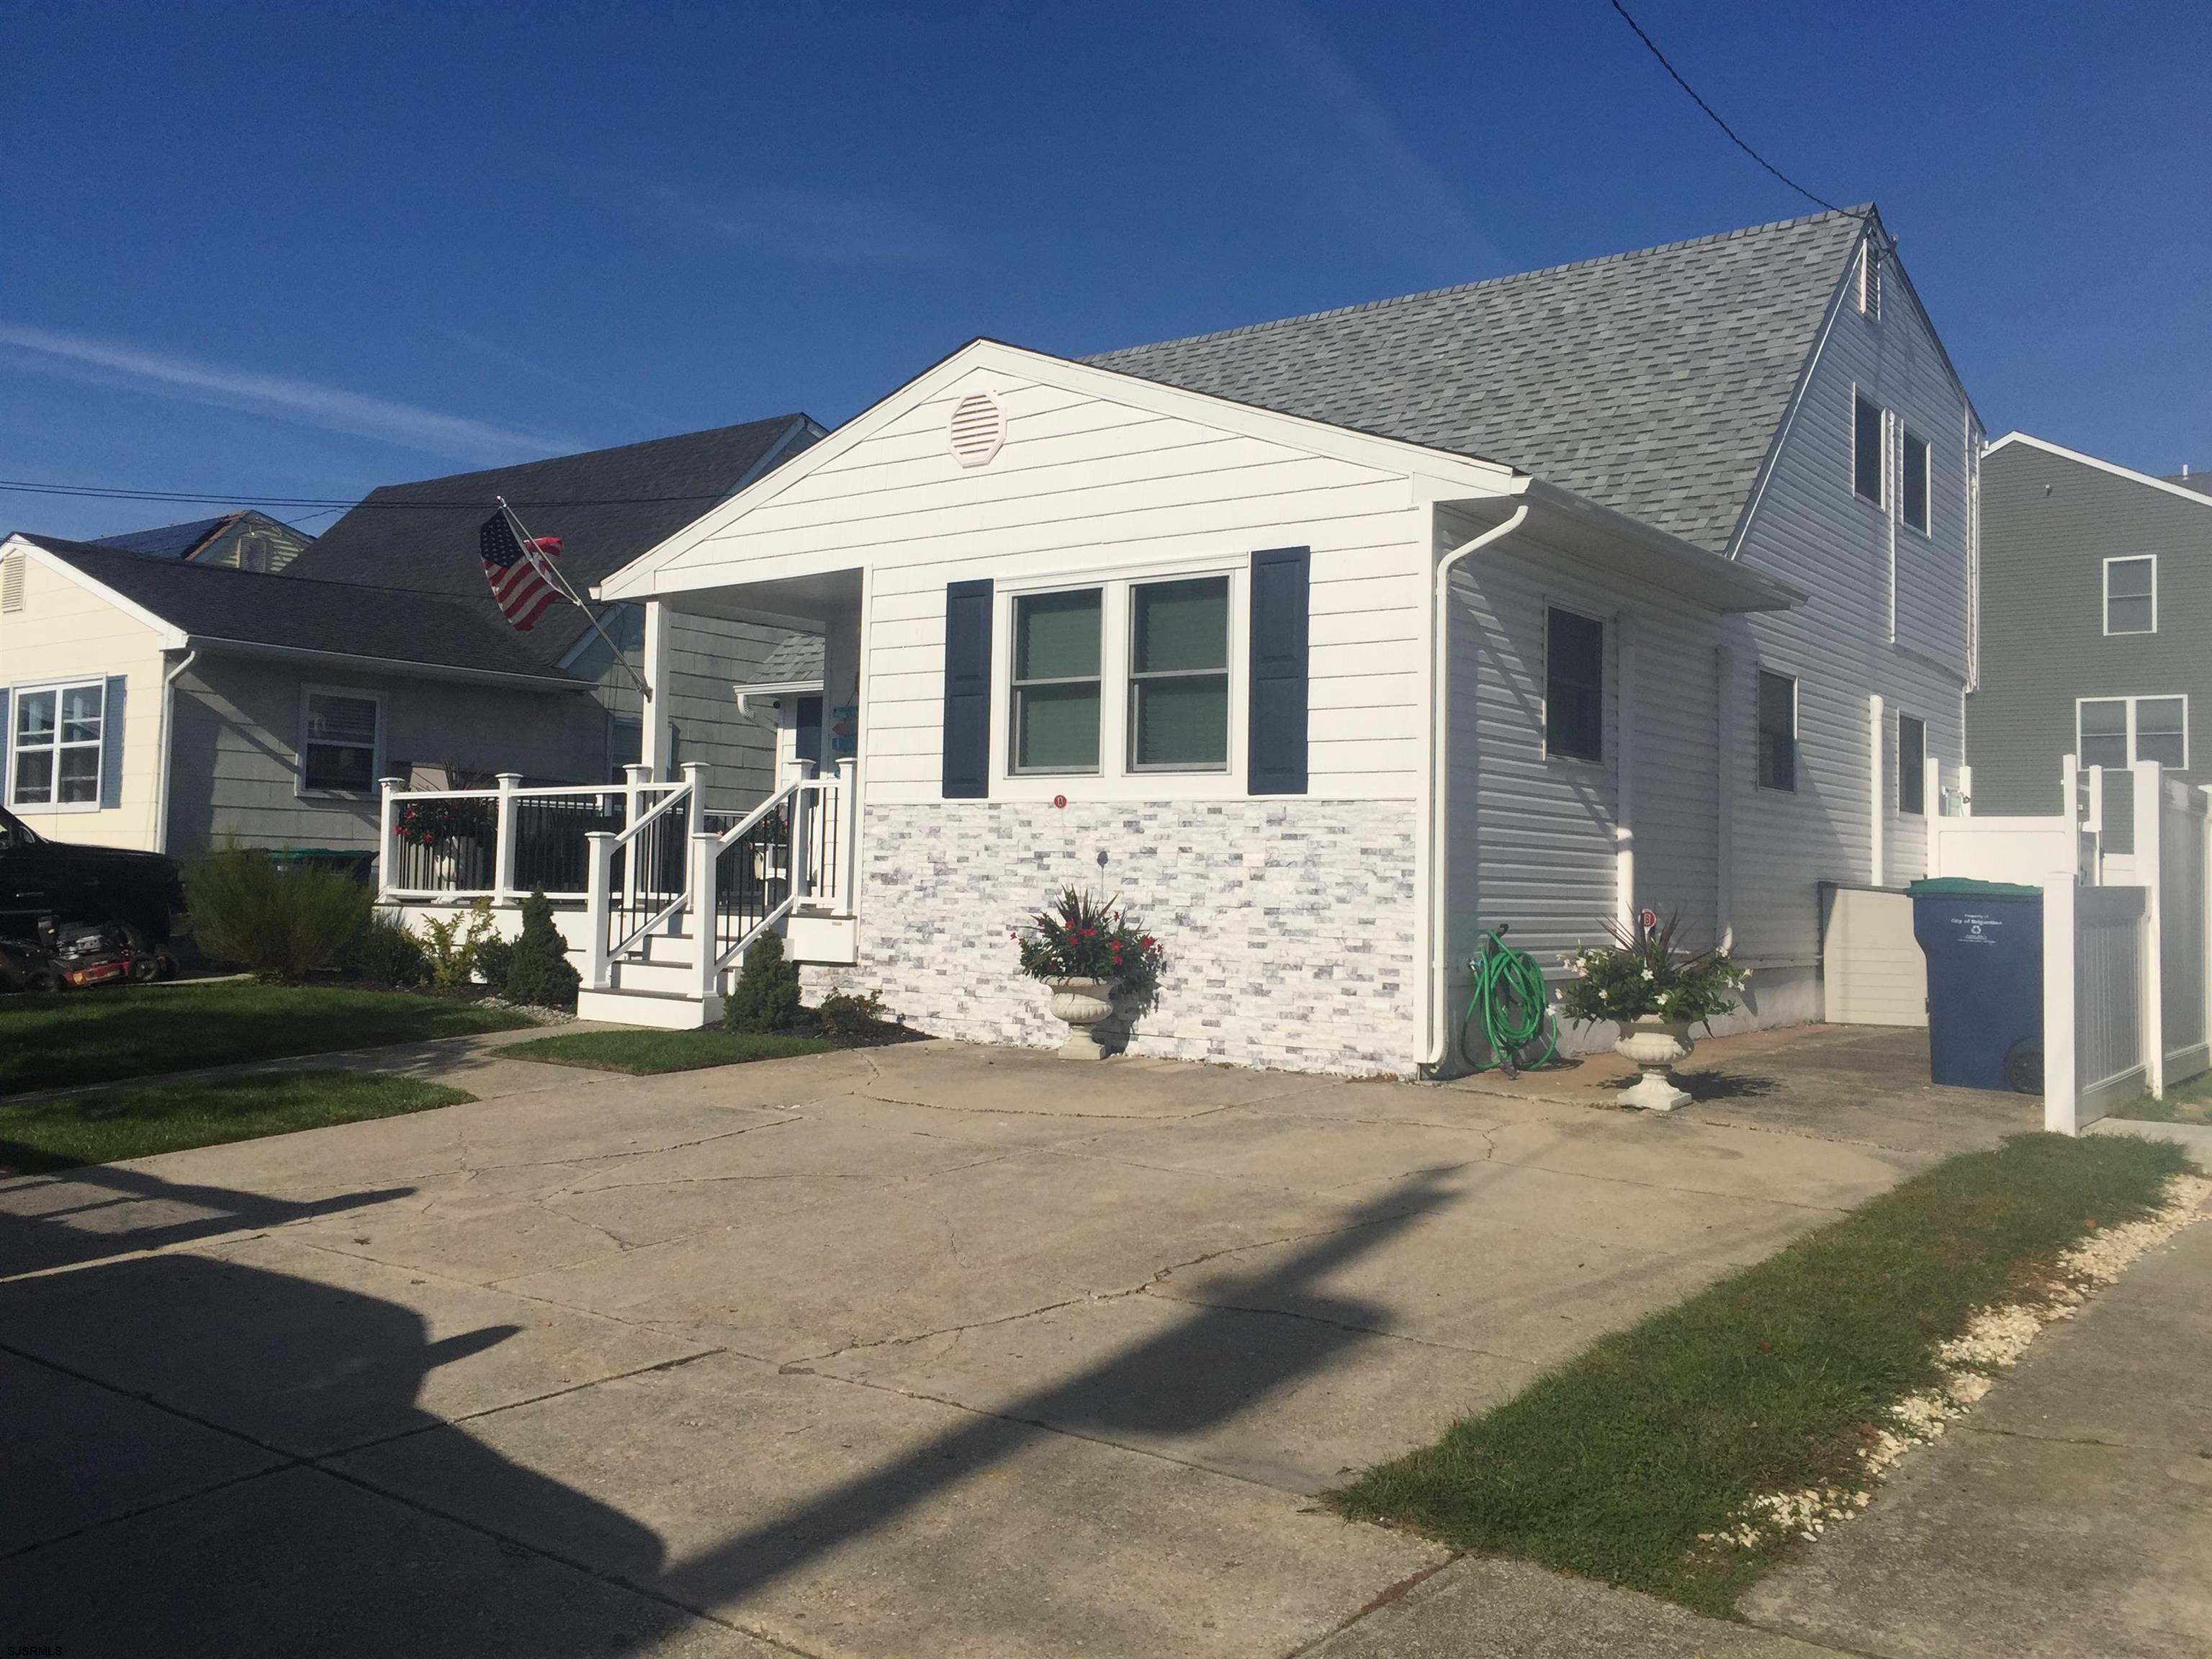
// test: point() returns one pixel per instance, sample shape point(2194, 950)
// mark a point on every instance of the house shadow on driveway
point(182, 1427)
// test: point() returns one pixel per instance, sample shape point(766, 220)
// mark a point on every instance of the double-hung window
point(1912, 503)
point(1574, 686)
point(2131, 595)
point(2116, 731)
point(1179, 675)
point(338, 742)
point(1912, 765)
point(1778, 732)
point(57, 745)
point(1868, 430)
point(1056, 683)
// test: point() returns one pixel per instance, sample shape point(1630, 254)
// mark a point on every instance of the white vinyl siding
point(1088, 490)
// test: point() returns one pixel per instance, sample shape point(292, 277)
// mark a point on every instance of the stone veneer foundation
point(1288, 924)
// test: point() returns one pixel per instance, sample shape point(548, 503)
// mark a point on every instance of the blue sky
point(287, 250)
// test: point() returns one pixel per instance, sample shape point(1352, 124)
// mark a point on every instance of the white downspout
point(1437, 1036)
point(162, 776)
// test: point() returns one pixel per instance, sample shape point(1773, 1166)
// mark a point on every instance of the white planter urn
point(1083, 1004)
point(1653, 1044)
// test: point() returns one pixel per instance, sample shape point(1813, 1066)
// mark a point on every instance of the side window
point(1778, 732)
point(2101, 732)
point(1055, 683)
point(1866, 448)
point(338, 742)
point(2131, 596)
point(1913, 504)
point(2162, 730)
point(1911, 765)
point(57, 744)
point(1574, 686)
point(1179, 675)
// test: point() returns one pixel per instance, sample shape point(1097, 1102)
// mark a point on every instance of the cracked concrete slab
point(849, 1520)
point(969, 1076)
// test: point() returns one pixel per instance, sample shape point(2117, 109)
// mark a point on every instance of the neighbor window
point(2116, 731)
point(338, 747)
point(2131, 596)
point(1055, 708)
point(1179, 675)
point(1866, 447)
point(1911, 765)
point(1778, 732)
point(1574, 686)
point(1914, 504)
point(57, 745)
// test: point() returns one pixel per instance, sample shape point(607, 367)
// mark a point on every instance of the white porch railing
point(501, 843)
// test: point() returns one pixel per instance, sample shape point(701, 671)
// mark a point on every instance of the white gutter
point(161, 777)
point(1436, 1037)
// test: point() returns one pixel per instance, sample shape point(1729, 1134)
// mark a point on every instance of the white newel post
point(2149, 781)
point(800, 869)
point(502, 858)
point(655, 736)
point(635, 777)
point(705, 848)
point(598, 883)
point(388, 817)
point(694, 809)
point(2060, 971)
point(848, 837)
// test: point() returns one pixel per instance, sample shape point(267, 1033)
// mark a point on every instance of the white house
point(1329, 642)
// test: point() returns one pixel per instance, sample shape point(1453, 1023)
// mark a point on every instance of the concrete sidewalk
point(929, 1349)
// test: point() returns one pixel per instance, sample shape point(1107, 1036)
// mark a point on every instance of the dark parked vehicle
point(71, 914)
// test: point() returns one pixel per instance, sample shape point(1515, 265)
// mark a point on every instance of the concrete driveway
point(929, 1349)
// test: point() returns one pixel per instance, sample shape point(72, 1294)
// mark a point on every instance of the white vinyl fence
point(2127, 1002)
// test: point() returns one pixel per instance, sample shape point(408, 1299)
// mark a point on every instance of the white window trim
point(2182, 698)
point(1881, 503)
point(1906, 438)
point(1605, 685)
point(1903, 810)
point(2128, 633)
point(1116, 780)
point(301, 789)
point(1759, 732)
point(13, 746)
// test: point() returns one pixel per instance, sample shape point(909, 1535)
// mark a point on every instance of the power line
point(328, 503)
point(1820, 201)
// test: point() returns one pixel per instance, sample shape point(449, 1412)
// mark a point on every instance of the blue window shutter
point(967, 690)
point(111, 744)
point(1276, 761)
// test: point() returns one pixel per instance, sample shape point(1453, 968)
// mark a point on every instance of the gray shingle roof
point(1651, 382)
point(168, 541)
point(212, 603)
point(797, 661)
point(607, 507)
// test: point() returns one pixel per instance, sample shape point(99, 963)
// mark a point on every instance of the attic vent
point(977, 429)
point(11, 582)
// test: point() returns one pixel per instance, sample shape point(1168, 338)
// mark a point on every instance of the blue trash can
point(1983, 942)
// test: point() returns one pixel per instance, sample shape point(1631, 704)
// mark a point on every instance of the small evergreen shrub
point(766, 998)
point(387, 954)
point(494, 958)
point(276, 924)
point(537, 971)
point(844, 1017)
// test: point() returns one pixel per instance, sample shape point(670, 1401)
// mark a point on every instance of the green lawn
point(640, 1053)
point(61, 1133)
point(96, 1037)
point(2185, 1103)
point(1614, 1464)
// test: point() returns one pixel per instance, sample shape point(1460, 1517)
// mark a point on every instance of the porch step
point(660, 1010)
point(674, 977)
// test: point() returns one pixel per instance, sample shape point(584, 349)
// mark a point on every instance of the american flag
point(518, 586)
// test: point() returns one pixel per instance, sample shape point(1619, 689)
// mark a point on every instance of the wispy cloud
point(1383, 182)
point(492, 351)
point(813, 227)
point(304, 403)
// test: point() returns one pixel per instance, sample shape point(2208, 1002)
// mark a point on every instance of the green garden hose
point(1510, 1009)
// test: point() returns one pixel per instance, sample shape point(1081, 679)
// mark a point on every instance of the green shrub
point(847, 1018)
point(537, 971)
point(278, 924)
point(451, 943)
point(766, 998)
point(386, 953)
point(494, 960)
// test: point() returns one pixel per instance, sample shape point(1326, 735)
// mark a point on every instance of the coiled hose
point(1510, 1009)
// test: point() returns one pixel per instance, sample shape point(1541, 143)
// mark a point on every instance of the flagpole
point(543, 564)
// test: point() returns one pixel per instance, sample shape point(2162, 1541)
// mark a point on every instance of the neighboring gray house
point(244, 540)
point(2096, 626)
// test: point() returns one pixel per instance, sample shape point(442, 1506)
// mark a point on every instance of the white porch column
point(849, 838)
point(656, 739)
point(1724, 802)
point(1877, 792)
point(1624, 781)
point(386, 788)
